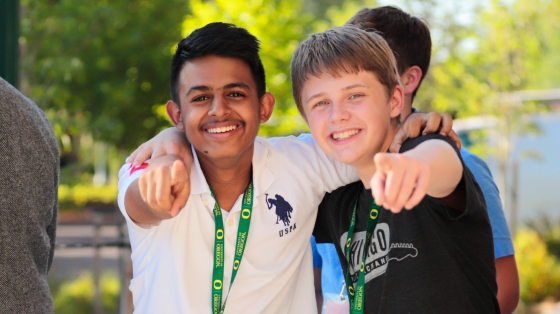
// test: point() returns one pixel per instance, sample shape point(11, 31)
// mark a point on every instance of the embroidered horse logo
point(283, 208)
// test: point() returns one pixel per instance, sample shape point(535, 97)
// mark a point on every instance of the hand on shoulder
point(170, 141)
point(418, 124)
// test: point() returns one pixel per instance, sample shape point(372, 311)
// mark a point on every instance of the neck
point(367, 169)
point(228, 176)
point(407, 107)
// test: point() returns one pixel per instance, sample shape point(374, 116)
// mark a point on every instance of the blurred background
point(99, 69)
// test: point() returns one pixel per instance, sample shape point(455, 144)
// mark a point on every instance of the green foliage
point(506, 48)
point(279, 25)
point(76, 296)
point(80, 195)
point(549, 230)
point(539, 271)
point(100, 66)
point(339, 15)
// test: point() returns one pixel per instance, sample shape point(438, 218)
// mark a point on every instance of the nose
point(339, 112)
point(219, 107)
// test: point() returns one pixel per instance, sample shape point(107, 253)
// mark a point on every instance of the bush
point(76, 296)
point(85, 194)
point(539, 271)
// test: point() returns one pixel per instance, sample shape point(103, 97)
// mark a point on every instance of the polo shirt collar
point(262, 176)
point(199, 185)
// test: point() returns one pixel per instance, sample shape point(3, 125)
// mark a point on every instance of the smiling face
point(351, 116)
point(220, 108)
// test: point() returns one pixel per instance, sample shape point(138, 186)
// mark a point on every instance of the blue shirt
point(325, 255)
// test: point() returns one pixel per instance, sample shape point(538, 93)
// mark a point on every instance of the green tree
point(100, 66)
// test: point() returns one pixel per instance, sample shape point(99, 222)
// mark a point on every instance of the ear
point(267, 106)
point(397, 101)
point(174, 113)
point(411, 79)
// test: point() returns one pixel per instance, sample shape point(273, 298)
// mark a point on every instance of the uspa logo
point(283, 209)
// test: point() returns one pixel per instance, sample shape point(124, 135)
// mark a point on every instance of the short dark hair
point(407, 35)
point(218, 39)
point(344, 49)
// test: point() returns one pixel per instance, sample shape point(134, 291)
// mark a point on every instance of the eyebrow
point(204, 88)
point(353, 86)
point(237, 84)
point(200, 88)
point(314, 96)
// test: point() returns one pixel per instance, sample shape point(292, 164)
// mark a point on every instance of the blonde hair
point(344, 49)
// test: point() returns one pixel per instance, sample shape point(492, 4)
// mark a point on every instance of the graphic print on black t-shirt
point(431, 259)
point(377, 256)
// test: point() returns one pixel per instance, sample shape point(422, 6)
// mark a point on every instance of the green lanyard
point(357, 296)
point(242, 234)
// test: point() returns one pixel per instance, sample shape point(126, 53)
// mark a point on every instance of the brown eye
point(200, 98)
point(236, 94)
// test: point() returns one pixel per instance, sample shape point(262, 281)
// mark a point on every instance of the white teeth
point(344, 135)
point(222, 129)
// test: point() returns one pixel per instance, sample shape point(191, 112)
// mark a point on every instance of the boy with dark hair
point(409, 38)
point(435, 257)
point(193, 258)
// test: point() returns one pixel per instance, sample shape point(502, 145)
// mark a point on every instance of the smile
point(345, 135)
point(222, 129)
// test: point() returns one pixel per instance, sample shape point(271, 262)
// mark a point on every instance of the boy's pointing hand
point(165, 186)
point(399, 181)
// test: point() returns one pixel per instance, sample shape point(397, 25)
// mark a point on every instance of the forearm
point(508, 283)
point(445, 166)
point(136, 208)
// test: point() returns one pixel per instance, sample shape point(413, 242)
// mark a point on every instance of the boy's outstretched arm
point(161, 191)
point(402, 180)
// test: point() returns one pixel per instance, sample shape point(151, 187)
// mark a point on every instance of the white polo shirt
point(172, 261)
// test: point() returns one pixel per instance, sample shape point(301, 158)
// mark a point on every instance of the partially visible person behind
point(29, 171)
point(437, 255)
point(330, 286)
point(409, 38)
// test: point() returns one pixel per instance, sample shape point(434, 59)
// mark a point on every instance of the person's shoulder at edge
point(503, 244)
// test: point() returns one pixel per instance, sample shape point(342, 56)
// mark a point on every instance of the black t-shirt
point(431, 259)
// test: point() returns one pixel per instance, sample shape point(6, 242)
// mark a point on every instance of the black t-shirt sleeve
point(320, 232)
point(474, 198)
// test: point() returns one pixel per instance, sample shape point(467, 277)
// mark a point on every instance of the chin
point(345, 157)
